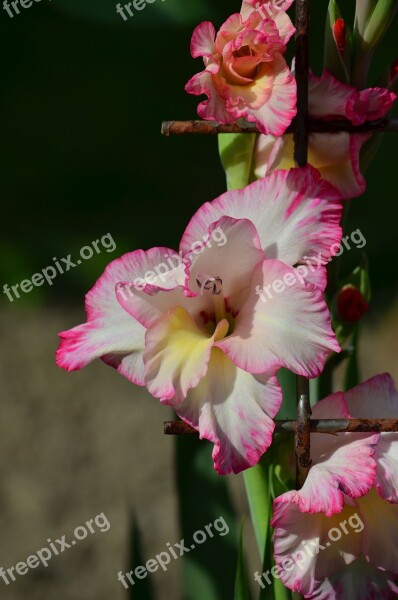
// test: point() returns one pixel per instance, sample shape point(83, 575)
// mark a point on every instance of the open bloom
point(335, 155)
point(245, 73)
point(354, 479)
point(192, 327)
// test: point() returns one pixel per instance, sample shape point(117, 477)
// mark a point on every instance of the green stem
point(334, 267)
point(362, 60)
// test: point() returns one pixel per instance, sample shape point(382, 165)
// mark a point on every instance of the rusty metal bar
point(301, 134)
point(303, 432)
point(313, 126)
point(315, 425)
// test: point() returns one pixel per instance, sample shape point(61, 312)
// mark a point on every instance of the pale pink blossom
point(335, 155)
point(352, 474)
point(245, 73)
point(198, 336)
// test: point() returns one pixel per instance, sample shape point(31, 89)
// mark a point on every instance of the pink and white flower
point(335, 155)
point(198, 336)
point(245, 73)
point(352, 474)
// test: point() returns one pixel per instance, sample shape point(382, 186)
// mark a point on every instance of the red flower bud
point(351, 305)
point(340, 34)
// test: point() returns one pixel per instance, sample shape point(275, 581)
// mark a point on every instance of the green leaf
point(259, 498)
point(352, 377)
point(242, 591)
point(287, 381)
point(264, 482)
point(380, 20)
point(363, 11)
point(280, 591)
point(208, 570)
point(236, 153)
point(334, 61)
point(143, 589)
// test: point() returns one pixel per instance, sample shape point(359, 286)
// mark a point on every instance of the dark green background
point(83, 95)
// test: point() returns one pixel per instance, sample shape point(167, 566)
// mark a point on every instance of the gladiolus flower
point(354, 479)
point(198, 335)
point(245, 73)
point(335, 155)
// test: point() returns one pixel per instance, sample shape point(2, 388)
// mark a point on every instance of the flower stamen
point(214, 286)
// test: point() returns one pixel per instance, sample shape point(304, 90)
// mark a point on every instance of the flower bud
point(351, 305)
point(337, 56)
point(340, 35)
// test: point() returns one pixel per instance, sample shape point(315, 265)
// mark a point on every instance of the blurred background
point(83, 94)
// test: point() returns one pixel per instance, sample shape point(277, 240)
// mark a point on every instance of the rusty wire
point(197, 127)
point(315, 425)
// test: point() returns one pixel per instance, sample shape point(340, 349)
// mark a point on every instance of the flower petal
point(282, 21)
point(248, 6)
point(328, 97)
point(177, 353)
point(148, 305)
point(231, 250)
point(304, 549)
point(278, 111)
point(349, 468)
point(380, 540)
point(110, 332)
point(358, 580)
point(234, 410)
point(272, 153)
point(214, 108)
point(318, 277)
point(342, 463)
point(296, 214)
point(369, 105)
point(377, 398)
point(284, 322)
point(335, 156)
point(203, 38)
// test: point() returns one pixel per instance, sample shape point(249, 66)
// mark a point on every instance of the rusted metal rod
point(302, 74)
point(303, 434)
point(301, 136)
point(313, 126)
point(315, 426)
